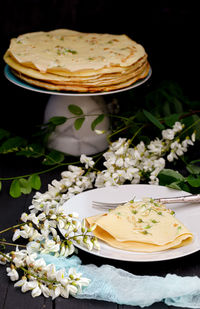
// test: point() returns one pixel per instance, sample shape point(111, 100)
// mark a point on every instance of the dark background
point(169, 31)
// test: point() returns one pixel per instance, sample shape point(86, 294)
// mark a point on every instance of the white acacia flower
point(21, 282)
point(117, 144)
point(187, 142)
point(136, 179)
point(110, 157)
point(55, 292)
point(59, 185)
point(51, 271)
point(45, 290)
point(88, 161)
point(75, 190)
point(30, 259)
point(83, 282)
point(32, 217)
point(131, 172)
point(27, 231)
point(168, 134)
point(41, 216)
point(36, 291)
point(16, 234)
point(78, 171)
point(193, 137)
point(64, 291)
point(153, 180)
point(155, 147)
point(24, 217)
point(29, 285)
point(72, 290)
point(96, 244)
point(39, 263)
point(171, 156)
point(12, 273)
point(119, 162)
point(141, 147)
point(33, 247)
point(68, 181)
point(19, 258)
point(88, 243)
point(53, 191)
point(50, 246)
point(99, 132)
point(148, 164)
point(122, 149)
point(61, 277)
point(177, 127)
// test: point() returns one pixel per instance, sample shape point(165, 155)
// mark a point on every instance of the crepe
point(145, 226)
point(70, 60)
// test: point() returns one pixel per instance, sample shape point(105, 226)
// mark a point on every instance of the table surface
point(11, 210)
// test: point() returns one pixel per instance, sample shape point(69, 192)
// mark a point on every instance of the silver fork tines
point(179, 199)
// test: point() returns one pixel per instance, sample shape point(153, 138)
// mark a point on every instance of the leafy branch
point(158, 109)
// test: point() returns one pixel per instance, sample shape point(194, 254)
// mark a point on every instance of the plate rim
point(18, 82)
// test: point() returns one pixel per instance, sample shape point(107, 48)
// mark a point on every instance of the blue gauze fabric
point(116, 285)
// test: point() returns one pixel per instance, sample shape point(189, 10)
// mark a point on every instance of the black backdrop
point(169, 31)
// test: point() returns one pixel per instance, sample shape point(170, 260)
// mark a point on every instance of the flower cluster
point(40, 278)
point(49, 229)
point(142, 162)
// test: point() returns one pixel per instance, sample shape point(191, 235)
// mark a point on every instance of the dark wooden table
point(11, 210)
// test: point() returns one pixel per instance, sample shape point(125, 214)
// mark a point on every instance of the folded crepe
point(69, 60)
point(145, 226)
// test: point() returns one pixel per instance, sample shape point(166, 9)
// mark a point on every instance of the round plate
point(188, 214)
point(17, 81)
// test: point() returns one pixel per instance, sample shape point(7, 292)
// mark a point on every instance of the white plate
point(19, 82)
point(188, 214)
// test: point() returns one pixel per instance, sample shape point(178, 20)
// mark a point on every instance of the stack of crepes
point(67, 60)
point(145, 226)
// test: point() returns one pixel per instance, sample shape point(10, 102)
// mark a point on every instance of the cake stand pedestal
point(66, 138)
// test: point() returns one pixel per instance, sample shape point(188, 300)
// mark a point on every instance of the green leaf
point(78, 123)
point(15, 190)
point(12, 144)
point(193, 181)
point(193, 123)
point(168, 176)
point(193, 169)
point(170, 120)
point(175, 185)
point(96, 121)
point(177, 105)
point(166, 108)
point(195, 161)
point(32, 151)
point(58, 120)
point(0, 185)
point(4, 134)
point(25, 186)
point(75, 109)
point(35, 181)
point(54, 157)
point(153, 119)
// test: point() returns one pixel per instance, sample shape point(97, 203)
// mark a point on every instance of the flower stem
point(10, 244)
point(12, 227)
point(192, 125)
point(136, 133)
point(41, 172)
point(116, 132)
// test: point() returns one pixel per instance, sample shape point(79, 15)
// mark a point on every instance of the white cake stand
point(66, 138)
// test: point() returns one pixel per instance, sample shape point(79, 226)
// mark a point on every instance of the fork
point(166, 200)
